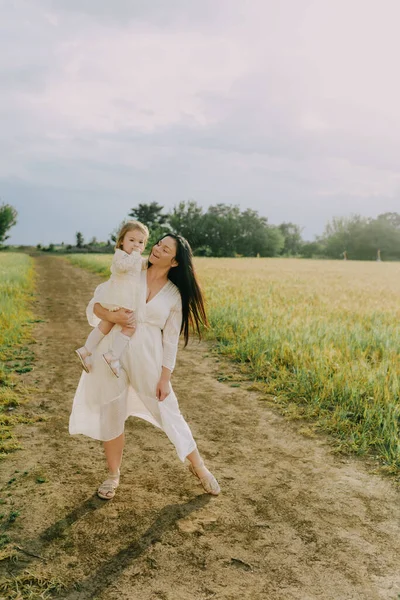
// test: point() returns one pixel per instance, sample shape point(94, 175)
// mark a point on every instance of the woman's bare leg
point(113, 451)
point(195, 458)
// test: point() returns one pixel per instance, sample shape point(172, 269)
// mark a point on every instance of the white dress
point(103, 402)
point(122, 289)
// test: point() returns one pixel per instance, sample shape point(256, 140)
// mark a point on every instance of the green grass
point(321, 338)
point(17, 283)
point(99, 263)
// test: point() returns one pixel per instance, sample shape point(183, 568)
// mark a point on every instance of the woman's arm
point(163, 385)
point(123, 317)
point(171, 332)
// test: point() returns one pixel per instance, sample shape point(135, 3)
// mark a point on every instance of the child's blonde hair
point(131, 226)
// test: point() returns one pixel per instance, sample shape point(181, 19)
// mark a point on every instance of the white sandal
point(208, 481)
point(106, 490)
point(112, 362)
point(84, 356)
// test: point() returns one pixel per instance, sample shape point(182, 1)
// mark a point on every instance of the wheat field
point(320, 338)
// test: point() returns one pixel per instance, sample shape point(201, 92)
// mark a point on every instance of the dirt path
point(293, 521)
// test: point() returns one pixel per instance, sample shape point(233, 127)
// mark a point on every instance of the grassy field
point(321, 338)
point(16, 288)
point(96, 263)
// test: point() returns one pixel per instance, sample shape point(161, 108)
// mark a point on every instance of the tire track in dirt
point(293, 521)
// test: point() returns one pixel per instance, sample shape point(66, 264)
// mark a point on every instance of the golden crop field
point(321, 337)
point(16, 289)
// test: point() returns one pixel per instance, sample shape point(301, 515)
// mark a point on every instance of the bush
point(203, 251)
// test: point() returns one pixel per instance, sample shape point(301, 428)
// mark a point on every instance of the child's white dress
point(103, 402)
point(122, 289)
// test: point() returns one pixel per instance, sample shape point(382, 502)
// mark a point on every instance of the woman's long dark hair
point(184, 277)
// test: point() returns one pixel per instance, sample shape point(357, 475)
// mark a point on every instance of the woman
point(171, 303)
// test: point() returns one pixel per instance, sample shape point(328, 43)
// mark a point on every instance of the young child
point(120, 291)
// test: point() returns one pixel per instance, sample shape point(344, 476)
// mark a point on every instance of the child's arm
point(123, 262)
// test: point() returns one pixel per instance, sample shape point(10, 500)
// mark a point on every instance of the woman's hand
point(163, 386)
point(123, 317)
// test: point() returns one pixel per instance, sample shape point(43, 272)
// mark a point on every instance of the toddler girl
point(120, 291)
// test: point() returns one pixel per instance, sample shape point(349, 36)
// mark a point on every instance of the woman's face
point(163, 253)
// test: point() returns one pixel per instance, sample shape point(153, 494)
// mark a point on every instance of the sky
point(288, 107)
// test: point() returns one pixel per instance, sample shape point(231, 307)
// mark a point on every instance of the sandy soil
point(293, 520)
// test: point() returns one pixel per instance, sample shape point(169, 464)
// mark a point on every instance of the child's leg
point(119, 344)
point(95, 336)
point(105, 327)
point(93, 339)
point(121, 339)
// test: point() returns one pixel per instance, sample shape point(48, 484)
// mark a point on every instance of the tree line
point(359, 238)
point(226, 230)
point(221, 230)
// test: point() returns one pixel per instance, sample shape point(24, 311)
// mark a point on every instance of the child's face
point(134, 240)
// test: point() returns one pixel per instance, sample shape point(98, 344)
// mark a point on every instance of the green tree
point(222, 229)
point(343, 234)
point(391, 218)
point(187, 219)
point(292, 238)
point(379, 234)
point(251, 233)
point(8, 218)
point(79, 239)
point(257, 237)
point(150, 215)
point(362, 237)
point(273, 242)
point(312, 249)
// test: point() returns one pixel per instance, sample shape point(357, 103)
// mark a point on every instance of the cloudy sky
point(289, 107)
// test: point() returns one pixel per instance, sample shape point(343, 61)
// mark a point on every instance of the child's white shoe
point(112, 362)
point(84, 356)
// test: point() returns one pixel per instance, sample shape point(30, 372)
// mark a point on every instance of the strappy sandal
point(112, 362)
point(107, 489)
point(84, 356)
point(209, 483)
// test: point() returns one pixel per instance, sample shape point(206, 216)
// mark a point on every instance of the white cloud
point(290, 108)
point(139, 81)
